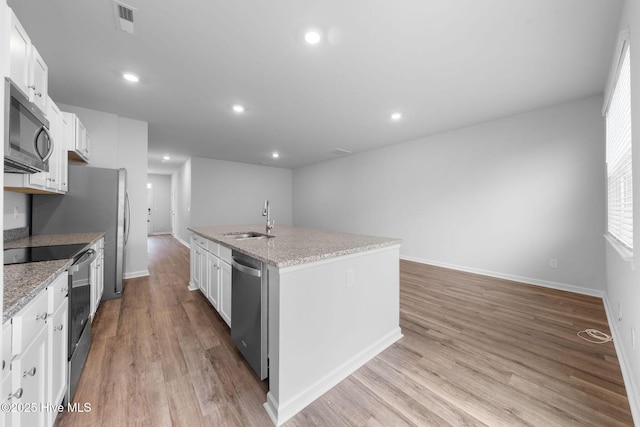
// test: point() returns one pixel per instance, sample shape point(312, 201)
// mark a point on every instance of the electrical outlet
point(351, 278)
point(619, 312)
point(553, 262)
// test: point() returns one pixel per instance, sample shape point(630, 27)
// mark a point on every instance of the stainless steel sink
point(246, 235)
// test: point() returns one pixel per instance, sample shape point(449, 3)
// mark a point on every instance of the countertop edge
point(390, 242)
point(10, 312)
point(23, 301)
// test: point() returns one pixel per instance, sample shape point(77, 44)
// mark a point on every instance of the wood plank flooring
point(476, 351)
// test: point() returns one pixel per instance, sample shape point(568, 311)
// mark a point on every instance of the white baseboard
point(134, 274)
point(521, 279)
point(280, 412)
point(633, 392)
point(159, 233)
point(181, 241)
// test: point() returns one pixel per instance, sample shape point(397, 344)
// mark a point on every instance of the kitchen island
point(333, 304)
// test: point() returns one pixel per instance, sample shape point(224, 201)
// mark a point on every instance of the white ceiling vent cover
point(124, 16)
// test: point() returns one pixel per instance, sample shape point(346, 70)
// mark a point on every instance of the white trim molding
point(134, 274)
point(633, 391)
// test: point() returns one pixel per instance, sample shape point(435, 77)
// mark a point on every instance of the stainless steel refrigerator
point(96, 200)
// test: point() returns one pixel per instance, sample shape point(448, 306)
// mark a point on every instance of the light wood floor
point(476, 351)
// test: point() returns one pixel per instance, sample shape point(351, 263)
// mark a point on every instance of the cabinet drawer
point(225, 254)
point(214, 247)
point(200, 241)
point(29, 322)
point(6, 347)
point(58, 291)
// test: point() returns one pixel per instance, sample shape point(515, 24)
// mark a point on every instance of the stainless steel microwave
point(27, 141)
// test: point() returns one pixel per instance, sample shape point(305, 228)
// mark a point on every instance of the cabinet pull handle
point(17, 394)
point(32, 87)
point(64, 290)
point(42, 316)
point(58, 328)
point(31, 372)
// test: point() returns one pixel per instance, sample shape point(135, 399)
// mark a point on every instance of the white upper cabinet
point(19, 53)
point(39, 79)
point(76, 138)
point(26, 67)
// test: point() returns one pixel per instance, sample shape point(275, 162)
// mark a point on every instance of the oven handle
point(86, 258)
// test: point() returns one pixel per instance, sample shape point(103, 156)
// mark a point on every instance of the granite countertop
point(23, 282)
point(293, 245)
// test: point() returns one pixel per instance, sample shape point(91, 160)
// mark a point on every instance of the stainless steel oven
point(27, 142)
point(79, 322)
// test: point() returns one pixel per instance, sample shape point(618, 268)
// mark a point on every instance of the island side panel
point(327, 319)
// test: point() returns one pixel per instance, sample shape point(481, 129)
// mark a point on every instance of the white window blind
point(618, 134)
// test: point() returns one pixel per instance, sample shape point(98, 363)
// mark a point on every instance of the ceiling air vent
point(340, 152)
point(124, 16)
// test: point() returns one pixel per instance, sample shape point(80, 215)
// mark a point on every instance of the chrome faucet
point(266, 211)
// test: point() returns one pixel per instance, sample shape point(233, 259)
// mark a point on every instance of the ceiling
point(442, 64)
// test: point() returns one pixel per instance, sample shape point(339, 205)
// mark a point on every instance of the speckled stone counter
point(293, 245)
point(23, 282)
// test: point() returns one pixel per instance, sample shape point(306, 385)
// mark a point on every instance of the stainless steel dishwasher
point(249, 310)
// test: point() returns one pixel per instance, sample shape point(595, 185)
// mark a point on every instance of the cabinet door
point(93, 274)
point(100, 272)
point(29, 374)
point(57, 358)
point(213, 274)
point(53, 115)
point(19, 54)
point(196, 263)
point(81, 137)
point(225, 292)
point(6, 347)
point(38, 80)
point(8, 397)
point(63, 184)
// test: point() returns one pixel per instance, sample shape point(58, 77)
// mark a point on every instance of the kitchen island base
point(327, 319)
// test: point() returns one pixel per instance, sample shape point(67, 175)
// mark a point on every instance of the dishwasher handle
point(246, 269)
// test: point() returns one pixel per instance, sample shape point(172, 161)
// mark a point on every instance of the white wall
point(161, 209)
point(229, 193)
point(181, 181)
point(502, 197)
point(623, 278)
point(119, 142)
point(234, 193)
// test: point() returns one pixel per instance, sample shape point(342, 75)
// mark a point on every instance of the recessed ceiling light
point(131, 77)
point(238, 108)
point(396, 116)
point(275, 155)
point(312, 37)
point(166, 158)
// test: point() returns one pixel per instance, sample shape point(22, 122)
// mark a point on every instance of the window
point(618, 141)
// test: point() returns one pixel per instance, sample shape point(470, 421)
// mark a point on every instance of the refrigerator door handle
point(127, 217)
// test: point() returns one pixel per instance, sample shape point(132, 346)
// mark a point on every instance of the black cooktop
point(41, 253)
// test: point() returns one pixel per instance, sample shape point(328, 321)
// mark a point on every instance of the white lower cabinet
point(29, 379)
point(213, 280)
point(57, 363)
point(225, 292)
point(96, 273)
point(211, 273)
point(34, 372)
